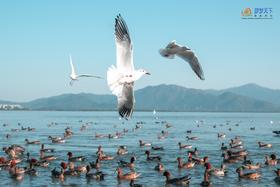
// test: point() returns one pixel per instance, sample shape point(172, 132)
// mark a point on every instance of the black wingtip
point(125, 112)
point(121, 30)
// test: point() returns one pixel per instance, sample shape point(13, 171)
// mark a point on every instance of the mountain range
point(245, 98)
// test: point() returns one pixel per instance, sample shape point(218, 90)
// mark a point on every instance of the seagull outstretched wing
point(191, 58)
point(126, 101)
point(186, 54)
point(88, 75)
point(73, 72)
point(123, 46)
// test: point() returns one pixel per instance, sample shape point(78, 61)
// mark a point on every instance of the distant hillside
point(176, 98)
point(257, 92)
point(81, 101)
point(168, 98)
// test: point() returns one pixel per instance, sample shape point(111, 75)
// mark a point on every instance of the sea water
point(85, 143)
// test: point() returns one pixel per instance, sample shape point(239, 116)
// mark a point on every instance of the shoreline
point(167, 111)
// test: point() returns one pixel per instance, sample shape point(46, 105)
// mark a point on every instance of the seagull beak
point(147, 73)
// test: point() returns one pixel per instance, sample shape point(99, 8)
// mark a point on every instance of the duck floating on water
point(35, 162)
point(142, 144)
point(186, 165)
point(75, 159)
point(220, 172)
point(221, 135)
point(36, 142)
point(122, 150)
point(193, 152)
point(159, 167)
point(261, 144)
point(127, 164)
point(99, 175)
point(272, 161)
point(176, 181)
point(192, 138)
point(46, 157)
point(181, 146)
point(152, 158)
point(128, 176)
point(249, 175)
point(157, 148)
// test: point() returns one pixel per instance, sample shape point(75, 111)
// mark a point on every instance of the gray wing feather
point(126, 101)
point(190, 57)
point(123, 45)
point(87, 75)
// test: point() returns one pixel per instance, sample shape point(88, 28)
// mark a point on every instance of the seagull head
point(170, 50)
point(165, 53)
point(143, 72)
point(139, 73)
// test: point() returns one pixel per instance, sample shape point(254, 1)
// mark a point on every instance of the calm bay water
point(84, 143)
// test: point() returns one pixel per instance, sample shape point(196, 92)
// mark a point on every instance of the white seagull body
point(185, 53)
point(121, 78)
point(75, 77)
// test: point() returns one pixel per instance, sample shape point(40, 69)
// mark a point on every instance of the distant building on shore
point(11, 107)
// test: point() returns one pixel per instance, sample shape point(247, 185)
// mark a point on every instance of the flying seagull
point(74, 76)
point(185, 53)
point(121, 78)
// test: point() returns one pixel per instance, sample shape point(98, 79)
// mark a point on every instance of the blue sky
point(37, 37)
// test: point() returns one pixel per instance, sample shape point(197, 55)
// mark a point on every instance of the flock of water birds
point(121, 78)
point(189, 159)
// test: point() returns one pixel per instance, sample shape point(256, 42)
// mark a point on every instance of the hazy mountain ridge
point(82, 101)
point(176, 98)
point(257, 92)
point(246, 98)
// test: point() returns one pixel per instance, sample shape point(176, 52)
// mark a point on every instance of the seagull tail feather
point(113, 80)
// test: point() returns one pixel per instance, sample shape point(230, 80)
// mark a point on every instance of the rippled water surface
point(84, 143)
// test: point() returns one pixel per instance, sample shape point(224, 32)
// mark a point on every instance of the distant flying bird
point(74, 76)
point(185, 53)
point(121, 79)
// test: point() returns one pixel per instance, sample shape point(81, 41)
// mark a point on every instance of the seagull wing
point(191, 58)
point(126, 101)
point(88, 75)
point(123, 46)
point(73, 72)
